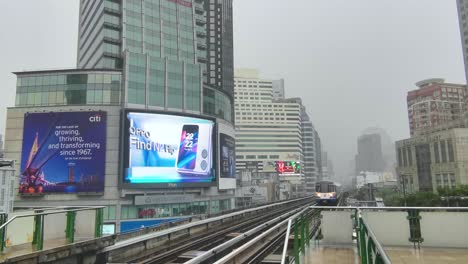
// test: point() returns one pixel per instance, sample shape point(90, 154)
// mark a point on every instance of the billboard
point(168, 150)
point(63, 152)
point(227, 146)
point(288, 167)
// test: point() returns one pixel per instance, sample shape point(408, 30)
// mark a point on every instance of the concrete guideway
point(201, 235)
point(99, 249)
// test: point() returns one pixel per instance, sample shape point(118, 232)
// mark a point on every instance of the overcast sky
point(351, 61)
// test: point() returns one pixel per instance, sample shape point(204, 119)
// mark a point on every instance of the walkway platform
point(427, 255)
point(331, 254)
point(24, 249)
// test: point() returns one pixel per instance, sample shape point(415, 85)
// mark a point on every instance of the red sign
point(181, 2)
point(288, 167)
point(147, 213)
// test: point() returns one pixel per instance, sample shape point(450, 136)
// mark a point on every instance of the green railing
point(38, 224)
point(369, 248)
point(303, 226)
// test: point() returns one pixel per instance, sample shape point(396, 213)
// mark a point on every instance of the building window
point(410, 156)
point(436, 152)
point(450, 151)
point(446, 180)
point(438, 180)
point(443, 151)
point(400, 160)
point(405, 158)
point(452, 180)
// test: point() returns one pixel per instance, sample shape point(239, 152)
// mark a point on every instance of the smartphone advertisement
point(170, 150)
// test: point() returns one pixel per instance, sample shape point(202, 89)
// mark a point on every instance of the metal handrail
point(49, 213)
point(240, 249)
point(286, 242)
point(376, 242)
point(238, 238)
point(391, 208)
point(142, 238)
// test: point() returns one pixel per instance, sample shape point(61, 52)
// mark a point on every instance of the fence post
point(362, 242)
point(70, 228)
point(303, 234)
point(296, 242)
point(307, 234)
point(370, 250)
point(3, 220)
point(415, 227)
point(38, 235)
point(98, 223)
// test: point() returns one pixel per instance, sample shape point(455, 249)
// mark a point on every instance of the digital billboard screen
point(63, 152)
point(168, 150)
point(227, 155)
point(288, 167)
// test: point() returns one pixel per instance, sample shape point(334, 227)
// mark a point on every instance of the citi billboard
point(63, 152)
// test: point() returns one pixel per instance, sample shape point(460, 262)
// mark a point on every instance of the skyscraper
point(463, 21)
point(267, 130)
point(310, 167)
point(173, 52)
point(369, 157)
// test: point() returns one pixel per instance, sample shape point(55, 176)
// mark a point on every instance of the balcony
point(202, 59)
point(201, 34)
point(199, 10)
point(201, 46)
point(200, 22)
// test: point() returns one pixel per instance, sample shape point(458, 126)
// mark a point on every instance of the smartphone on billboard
point(188, 148)
point(195, 152)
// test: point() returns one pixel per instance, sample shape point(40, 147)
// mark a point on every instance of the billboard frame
point(124, 153)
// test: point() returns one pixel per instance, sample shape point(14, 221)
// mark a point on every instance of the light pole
point(404, 188)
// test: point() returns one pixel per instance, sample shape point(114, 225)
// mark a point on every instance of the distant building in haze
point(369, 156)
point(278, 89)
point(1, 146)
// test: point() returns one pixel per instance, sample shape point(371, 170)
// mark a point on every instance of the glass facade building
point(68, 87)
point(175, 55)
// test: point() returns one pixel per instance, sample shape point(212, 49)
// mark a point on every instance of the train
point(326, 193)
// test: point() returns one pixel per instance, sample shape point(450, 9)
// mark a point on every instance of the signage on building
point(288, 167)
point(181, 2)
point(227, 155)
point(293, 156)
point(171, 151)
point(63, 152)
point(163, 199)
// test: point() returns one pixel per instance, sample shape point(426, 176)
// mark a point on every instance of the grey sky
point(352, 61)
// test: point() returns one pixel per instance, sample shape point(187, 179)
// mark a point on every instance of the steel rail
point(131, 241)
point(286, 242)
point(240, 249)
point(240, 237)
point(391, 208)
point(213, 239)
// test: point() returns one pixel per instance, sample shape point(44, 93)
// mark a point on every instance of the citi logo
point(95, 118)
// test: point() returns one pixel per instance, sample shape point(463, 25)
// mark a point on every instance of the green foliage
point(422, 199)
point(461, 190)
